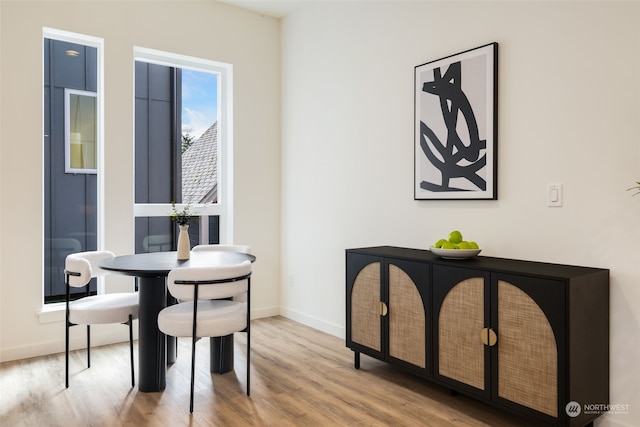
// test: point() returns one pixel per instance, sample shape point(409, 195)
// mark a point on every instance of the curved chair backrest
point(232, 281)
point(85, 265)
point(226, 248)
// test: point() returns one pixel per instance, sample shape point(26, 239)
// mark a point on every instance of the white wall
point(208, 30)
point(569, 112)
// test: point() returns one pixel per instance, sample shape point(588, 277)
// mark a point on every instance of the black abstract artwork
point(455, 126)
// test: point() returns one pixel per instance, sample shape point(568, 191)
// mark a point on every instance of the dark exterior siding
point(157, 139)
point(155, 131)
point(70, 199)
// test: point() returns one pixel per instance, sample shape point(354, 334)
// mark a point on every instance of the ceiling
point(277, 8)
point(282, 8)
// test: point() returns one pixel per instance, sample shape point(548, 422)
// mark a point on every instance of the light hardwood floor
point(299, 377)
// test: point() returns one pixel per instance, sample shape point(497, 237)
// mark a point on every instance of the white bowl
point(455, 253)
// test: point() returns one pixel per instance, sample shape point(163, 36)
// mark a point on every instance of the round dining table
point(155, 350)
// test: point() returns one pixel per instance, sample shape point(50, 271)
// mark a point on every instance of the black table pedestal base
point(152, 365)
point(221, 359)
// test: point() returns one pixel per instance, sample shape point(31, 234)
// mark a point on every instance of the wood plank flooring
point(299, 377)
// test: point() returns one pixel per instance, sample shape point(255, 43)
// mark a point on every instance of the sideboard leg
point(356, 359)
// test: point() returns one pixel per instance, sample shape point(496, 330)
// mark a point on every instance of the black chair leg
point(133, 377)
point(193, 370)
point(248, 361)
point(66, 356)
point(193, 344)
point(248, 336)
point(88, 346)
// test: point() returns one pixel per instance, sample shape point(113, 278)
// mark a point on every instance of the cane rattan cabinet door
point(461, 313)
point(364, 295)
point(530, 351)
point(408, 312)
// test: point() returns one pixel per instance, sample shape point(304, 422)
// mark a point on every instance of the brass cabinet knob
point(488, 337)
point(382, 308)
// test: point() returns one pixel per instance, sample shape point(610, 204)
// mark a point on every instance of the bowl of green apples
point(455, 247)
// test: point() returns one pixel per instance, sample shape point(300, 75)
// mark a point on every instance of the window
point(80, 131)
point(72, 146)
point(177, 160)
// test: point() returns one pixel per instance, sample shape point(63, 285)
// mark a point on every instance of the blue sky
point(199, 101)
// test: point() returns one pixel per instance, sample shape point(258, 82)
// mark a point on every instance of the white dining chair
point(205, 309)
point(244, 249)
point(89, 310)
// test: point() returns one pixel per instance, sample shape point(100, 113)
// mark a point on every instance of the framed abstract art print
point(456, 126)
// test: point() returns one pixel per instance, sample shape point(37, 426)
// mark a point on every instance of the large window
point(71, 147)
point(182, 148)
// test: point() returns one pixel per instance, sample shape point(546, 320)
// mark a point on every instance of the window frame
point(68, 167)
point(224, 206)
point(98, 44)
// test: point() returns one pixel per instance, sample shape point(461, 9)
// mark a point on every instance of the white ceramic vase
point(184, 246)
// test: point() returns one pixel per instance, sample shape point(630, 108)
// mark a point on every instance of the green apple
point(473, 245)
point(439, 243)
point(449, 245)
point(455, 237)
point(464, 245)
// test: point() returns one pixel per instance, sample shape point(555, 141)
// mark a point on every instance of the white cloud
point(197, 122)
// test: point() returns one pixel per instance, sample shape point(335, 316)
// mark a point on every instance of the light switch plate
point(554, 195)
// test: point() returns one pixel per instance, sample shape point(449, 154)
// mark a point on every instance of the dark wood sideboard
point(528, 337)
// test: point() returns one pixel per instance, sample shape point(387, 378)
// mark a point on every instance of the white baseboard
point(100, 335)
point(314, 322)
point(265, 312)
